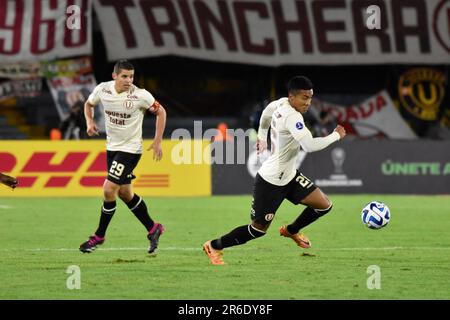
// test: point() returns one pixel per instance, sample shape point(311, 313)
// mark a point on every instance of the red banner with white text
point(373, 117)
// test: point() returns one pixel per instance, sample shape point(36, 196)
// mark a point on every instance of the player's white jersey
point(286, 128)
point(124, 114)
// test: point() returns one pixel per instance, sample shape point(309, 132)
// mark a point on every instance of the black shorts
point(267, 197)
point(121, 165)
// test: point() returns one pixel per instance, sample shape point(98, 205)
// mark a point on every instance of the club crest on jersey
point(128, 104)
point(269, 216)
point(299, 125)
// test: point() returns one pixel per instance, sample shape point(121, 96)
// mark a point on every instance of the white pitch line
point(2, 206)
point(103, 249)
point(383, 248)
point(200, 248)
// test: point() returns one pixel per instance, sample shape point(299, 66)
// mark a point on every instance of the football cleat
point(153, 235)
point(299, 238)
point(215, 256)
point(91, 244)
point(8, 181)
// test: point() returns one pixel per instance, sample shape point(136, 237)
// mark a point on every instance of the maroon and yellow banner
point(78, 168)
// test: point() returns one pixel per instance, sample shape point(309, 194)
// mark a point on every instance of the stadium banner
point(275, 32)
point(20, 88)
point(71, 81)
point(20, 70)
point(359, 166)
point(232, 174)
point(399, 167)
point(374, 117)
point(422, 95)
point(44, 29)
point(78, 168)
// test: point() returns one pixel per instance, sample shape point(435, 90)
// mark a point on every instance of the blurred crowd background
point(382, 74)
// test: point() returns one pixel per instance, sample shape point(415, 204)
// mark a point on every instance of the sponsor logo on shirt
point(299, 125)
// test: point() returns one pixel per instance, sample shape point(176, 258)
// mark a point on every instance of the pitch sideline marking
point(199, 249)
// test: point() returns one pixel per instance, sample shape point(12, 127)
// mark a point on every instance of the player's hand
point(8, 181)
point(92, 129)
point(340, 129)
point(260, 146)
point(157, 150)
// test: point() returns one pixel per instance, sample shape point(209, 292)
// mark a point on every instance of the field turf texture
point(39, 240)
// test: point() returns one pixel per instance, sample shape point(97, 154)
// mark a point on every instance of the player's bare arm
point(92, 128)
point(161, 116)
point(8, 180)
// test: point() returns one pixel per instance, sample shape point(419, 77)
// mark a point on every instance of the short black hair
point(122, 65)
point(299, 83)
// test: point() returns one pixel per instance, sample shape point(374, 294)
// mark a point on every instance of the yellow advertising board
point(78, 168)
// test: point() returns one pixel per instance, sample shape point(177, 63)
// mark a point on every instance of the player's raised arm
point(92, 128)
point(161, 117)
point(302, 134)
point(310, 144)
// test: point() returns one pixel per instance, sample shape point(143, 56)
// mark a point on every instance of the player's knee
point(260, 225)
point(255, 232)
point(110, 192)
point(322, 212)
point(125, 195)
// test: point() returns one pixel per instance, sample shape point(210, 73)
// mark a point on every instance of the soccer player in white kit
point(278, 179)
point(124, 107)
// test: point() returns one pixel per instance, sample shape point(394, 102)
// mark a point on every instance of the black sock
point(308, 216)
point(238, 236)
point(139, 208)
point(108, 210)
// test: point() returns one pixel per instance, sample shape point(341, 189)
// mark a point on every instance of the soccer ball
point(375, 215)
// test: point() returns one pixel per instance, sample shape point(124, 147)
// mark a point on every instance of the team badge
point(128, 104)
point(421, 92)
point(299, 125)
point(269, 216)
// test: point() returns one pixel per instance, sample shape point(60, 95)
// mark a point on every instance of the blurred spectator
point(319, 121)
point(255, 115)
point(327, 122)
point(74, 126)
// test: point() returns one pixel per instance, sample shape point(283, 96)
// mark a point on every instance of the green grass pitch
point(39, 240)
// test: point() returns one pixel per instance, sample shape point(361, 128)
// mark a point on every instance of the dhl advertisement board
point(78, 168)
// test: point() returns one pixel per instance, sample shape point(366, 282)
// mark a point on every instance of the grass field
point(39, 240)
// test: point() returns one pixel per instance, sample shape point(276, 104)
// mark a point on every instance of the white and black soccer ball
point(375, 215)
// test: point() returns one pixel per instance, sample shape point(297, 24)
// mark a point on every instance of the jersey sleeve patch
point(299, 125)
